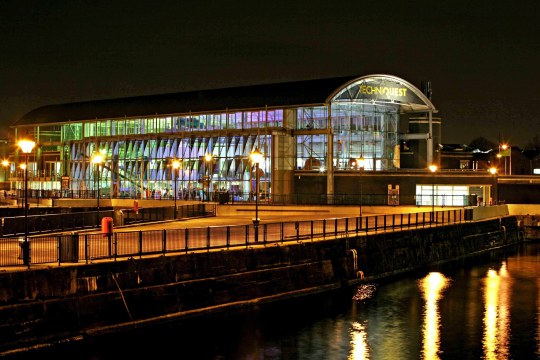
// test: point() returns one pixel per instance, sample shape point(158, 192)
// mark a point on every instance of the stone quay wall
point(46, 305)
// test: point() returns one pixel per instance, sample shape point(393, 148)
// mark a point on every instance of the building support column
point(429, 155)
point(329, 159)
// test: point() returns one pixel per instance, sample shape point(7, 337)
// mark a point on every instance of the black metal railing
point(225, 197)
point(87, 247)
point(48, 223)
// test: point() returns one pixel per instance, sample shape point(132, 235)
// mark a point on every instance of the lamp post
point(97, 159)
point(506, 152)
point(23, 189)
point(26, 146)
point(360, 162)
point(5, 164)
point(175, 166)
point(208, 160)
point(433, 169)
point(494, 191)
point(256, 157)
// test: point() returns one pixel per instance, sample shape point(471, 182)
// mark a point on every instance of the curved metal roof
point(386, 89)
point(287, 94)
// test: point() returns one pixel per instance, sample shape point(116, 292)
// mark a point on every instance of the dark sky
point(482, 57)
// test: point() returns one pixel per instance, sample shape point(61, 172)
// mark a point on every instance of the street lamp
point(506, 152)
point(97, 159)
point(433, 169)
point(175, 166)
point(256, 157)
point(360, 162)
point(495, 195)
point(26, 146)
point(5, 164)
point(207, 159)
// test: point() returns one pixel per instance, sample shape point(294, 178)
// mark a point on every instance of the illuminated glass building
point(322, 127)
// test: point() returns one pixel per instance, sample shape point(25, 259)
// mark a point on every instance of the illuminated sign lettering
point(383, 90)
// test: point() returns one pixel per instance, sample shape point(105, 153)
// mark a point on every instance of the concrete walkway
point(245, 213)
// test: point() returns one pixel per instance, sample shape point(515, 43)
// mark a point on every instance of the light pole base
point(256, 222)
point(25, 250)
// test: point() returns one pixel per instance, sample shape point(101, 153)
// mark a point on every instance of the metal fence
point(37, 224)
point(48, 223)
point(74, 247)
point(225, 197)
point(131, 216)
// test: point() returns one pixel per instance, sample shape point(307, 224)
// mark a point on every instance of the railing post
point(324, 228)
point(376, 223)
point(115, 244)
point(164, 241)
point(186, 239)
point(86, 248)
point(247, 235)
point(208, 238)
point(311, 230)
point(109, 244)
point(335, 227)
point(59, 237)
point(366, 225)
point(265, 230)
point(140, 241)
point(228, 236)
point(297, 228)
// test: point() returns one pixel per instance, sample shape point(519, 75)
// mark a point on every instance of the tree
point(531, 154)
point(483, 144)
point(534, 144)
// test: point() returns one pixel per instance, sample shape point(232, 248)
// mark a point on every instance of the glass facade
point(140, 166)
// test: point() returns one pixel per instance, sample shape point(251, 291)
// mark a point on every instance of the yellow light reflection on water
point(496, 314)
point(359, 347)
point(432, 287)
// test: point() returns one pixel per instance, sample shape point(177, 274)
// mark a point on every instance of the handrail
point(73, 247)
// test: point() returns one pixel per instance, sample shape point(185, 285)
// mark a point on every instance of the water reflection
point(359, 346)
point(497, 287)
point(432, 287)
point(358, 332)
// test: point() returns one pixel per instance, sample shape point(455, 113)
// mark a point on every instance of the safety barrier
point(110, 244)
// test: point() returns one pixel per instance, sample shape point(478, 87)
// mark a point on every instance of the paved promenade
point(244, 215)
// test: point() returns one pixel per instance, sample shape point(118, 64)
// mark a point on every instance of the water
point(480, 308)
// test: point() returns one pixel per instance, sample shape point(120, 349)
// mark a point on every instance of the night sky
point(482, 57)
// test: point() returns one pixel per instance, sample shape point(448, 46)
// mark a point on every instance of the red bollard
point(107, 226)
